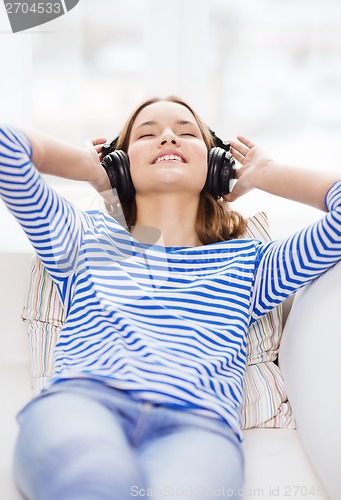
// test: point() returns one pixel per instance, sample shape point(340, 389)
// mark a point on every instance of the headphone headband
point(219, 143)
point(109, 147)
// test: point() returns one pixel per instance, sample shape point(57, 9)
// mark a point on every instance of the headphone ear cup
point(221, 172)
point(117, 167)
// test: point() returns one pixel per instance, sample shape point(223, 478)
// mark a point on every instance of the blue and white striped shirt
point(167, 324)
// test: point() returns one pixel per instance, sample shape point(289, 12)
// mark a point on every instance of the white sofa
point(280, 463)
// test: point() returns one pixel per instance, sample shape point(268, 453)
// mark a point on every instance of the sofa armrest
point(14, 271)
point(309, 360)
point(15, 388)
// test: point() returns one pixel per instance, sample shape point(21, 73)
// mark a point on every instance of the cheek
point(135, 159)
point(133, 155)
point(203, 162)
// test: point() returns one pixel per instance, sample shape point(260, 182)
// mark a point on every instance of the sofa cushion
point(265, 403)
point(14, 271)
point(15, 393)
point(276, 466)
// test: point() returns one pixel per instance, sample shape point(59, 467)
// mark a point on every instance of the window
point(268, 69)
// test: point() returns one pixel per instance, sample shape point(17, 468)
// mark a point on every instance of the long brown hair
point(215, 220)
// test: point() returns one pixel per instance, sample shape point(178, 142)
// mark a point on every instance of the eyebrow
point(178, 122)
point(144, 124)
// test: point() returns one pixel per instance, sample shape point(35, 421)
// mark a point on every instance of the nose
point(168, 137)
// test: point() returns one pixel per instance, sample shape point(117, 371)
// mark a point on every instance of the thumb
point(239, 189)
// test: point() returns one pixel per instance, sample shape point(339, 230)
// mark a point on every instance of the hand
point(94, 147)
point(253, 159)
point(101, 182)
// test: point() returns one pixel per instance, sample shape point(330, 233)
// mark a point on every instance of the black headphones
point(220, 174)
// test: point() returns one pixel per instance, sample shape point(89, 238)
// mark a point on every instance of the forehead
point(164, 112)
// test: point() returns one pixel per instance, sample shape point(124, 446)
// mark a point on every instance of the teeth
point(168, 158)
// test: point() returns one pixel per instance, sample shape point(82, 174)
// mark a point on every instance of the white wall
point(267, 69)
point(15, 108)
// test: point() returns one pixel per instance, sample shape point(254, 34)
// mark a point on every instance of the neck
point(166, 220)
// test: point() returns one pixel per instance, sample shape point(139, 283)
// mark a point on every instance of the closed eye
point(146, 135)
point(188, 133)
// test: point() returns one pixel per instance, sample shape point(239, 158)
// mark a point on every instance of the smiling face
point(167, 151)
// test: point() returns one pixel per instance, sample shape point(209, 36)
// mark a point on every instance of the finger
point(229, 197)
point(98, 148)
point(237, 146)
point(98, 141)
point(234, 194)
point(246, 141)
point(236, 155)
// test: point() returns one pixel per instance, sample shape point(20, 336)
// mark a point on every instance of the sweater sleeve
point(283, 267)
point(53, 225)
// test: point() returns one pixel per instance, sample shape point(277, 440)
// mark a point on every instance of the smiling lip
point(170, 153)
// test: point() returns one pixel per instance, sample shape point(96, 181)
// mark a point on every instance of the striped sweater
point(167, 324)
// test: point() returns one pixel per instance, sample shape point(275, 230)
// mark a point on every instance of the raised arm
point(282, 267)
point(259, 171)
point(54, 157)
point(54, 226)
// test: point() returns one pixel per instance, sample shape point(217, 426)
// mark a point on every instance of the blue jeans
point(82, 440)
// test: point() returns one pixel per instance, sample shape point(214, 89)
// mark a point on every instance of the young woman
point(149, 366)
